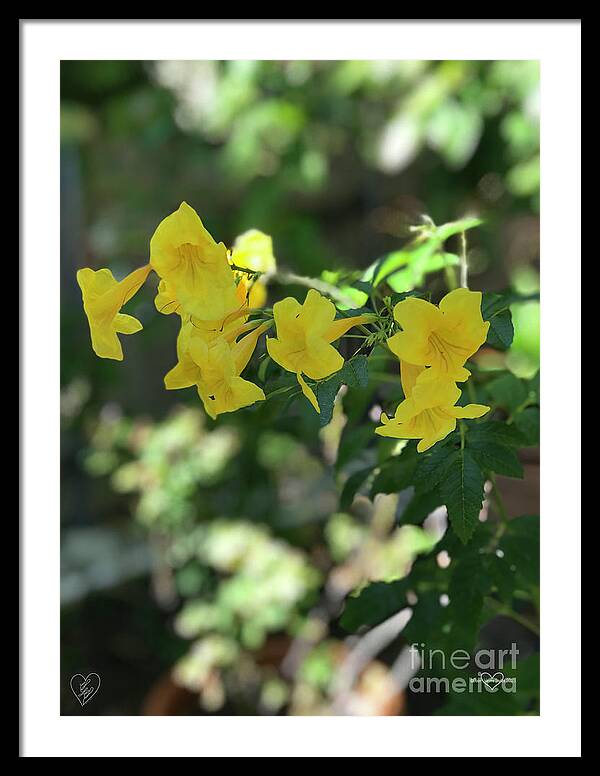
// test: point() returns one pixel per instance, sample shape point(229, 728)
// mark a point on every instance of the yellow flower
point(103, 297)
point(443, 338)
point(214, 366)
point(194, 267)
point(428, 412)
point(304, 336)
point(165, 300)
point(254, 250)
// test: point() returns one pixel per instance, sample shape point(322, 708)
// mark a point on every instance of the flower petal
point(165, 300)
point(317, 313)
point(414, 313)
point(339, 327)
point(243, 350)
point(183, 375)
point(308, 392)
point(432, 393)
point(254, 250)
point(408, 376)
point(105, 342)
point(230, 396)
point(320, 359)
point(257, 295)
point(286, 312)
point(463, 329)
point(411, 346)
point(469, 411)
point(181, 227)
point(127, 324)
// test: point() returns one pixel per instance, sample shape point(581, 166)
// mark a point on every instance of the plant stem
point(464, 267)
point(286, 278)
point(451, 280)
point(246, 271)
point(520, 408)
point(525, 621)
point(507, 611)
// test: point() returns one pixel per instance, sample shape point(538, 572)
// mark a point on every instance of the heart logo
point(492, 682)
point(85, 687)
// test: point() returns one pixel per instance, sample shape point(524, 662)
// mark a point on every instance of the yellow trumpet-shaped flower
point(304, 336)
point(103, 297)
point(166, 302)
point(253, 250)
point(428, 412)
point(194, 267)
point(441, 337)
point(214, 367)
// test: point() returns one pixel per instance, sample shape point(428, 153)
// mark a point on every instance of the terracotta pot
point(168, 699)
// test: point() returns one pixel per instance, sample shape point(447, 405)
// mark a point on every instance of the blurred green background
point(196, 544)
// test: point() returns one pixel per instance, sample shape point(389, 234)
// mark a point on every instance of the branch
point(367, 648)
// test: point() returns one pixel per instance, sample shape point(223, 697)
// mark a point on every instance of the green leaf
point(495, 308)
point(396, 474)
point(525, 699)
point(433, 464)
point(469, 584)
point(508, 391)
point(262, 369)
point(496, 458)
point(534, 387)
point(521, 547)
point(401, 296)
point(374, 604)
point(445, 231)
point(462, 491)
point(492, 455)
point(389, 264)
point(405, 269)
point(528, 422)
point(481, 704)
point(351, 297)
point(362, 286)
point(351, 485)
point(354, 373)
point(420, 506)
point(427, 622)
point(353, 441)
point(441, 260)
point(502, 577)
point(498, 432)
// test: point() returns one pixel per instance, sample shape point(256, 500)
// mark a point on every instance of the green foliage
point(498, 703)
point(457, 469)
point(373, 604)
point(397, 473)
point(479, 583)
point(354, 373)
point(495, 308)
point(462, 491)
point(521, 547)
point(493, 450)
point(351, 486)
point(407, 269)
